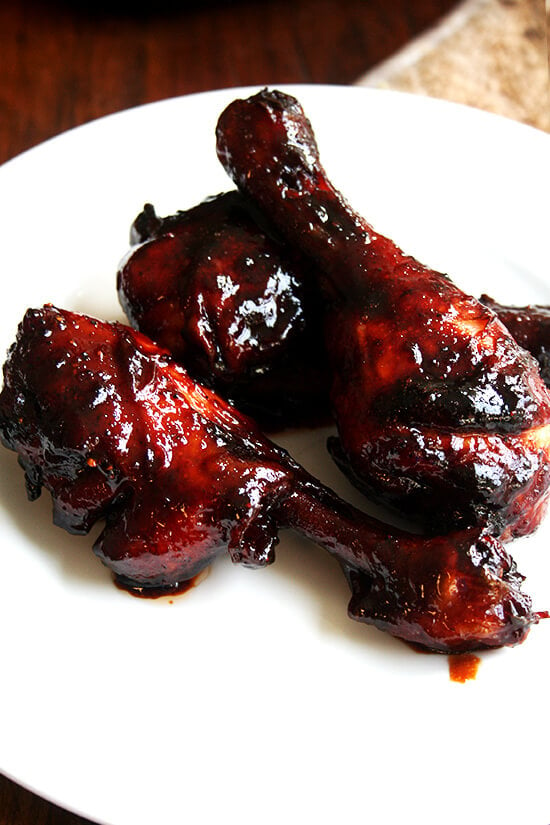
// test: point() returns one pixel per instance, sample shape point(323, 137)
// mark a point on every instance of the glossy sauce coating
point(440, 413)
point(210, 285)
point(100, 416)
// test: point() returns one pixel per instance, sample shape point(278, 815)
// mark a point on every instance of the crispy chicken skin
point(440, 413)
point(105, 421)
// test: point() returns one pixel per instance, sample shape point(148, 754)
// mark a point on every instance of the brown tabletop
point(65, 63)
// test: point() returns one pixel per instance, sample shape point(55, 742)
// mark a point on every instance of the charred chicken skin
point(105, 421)
point(224, 297)
point(530, 326)
point(440, 413)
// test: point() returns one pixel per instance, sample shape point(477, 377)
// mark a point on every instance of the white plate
point(253, 698)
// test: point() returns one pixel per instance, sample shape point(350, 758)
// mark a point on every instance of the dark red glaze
point(114, 429)
point(212, 287)
point(440, 413)
point(530, 326)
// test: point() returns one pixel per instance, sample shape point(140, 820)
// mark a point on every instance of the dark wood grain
point(63, 64)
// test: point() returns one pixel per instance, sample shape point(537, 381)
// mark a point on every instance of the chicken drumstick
point(231, 305)
point(115, 430)
point(439, 412)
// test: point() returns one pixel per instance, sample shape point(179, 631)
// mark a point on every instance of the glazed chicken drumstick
point(107, 423)
point(440, 413)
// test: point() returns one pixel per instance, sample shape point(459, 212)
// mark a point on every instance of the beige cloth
point(492, 54)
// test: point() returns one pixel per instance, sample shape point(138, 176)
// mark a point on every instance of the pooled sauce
point(159, 592)
point(463, 667)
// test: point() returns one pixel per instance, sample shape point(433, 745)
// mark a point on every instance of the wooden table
point(63, 64)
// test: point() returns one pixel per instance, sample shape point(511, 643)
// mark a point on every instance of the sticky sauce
point(463, 667)
point(159, 592)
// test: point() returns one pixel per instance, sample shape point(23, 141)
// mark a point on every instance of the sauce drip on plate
point(463, 667)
